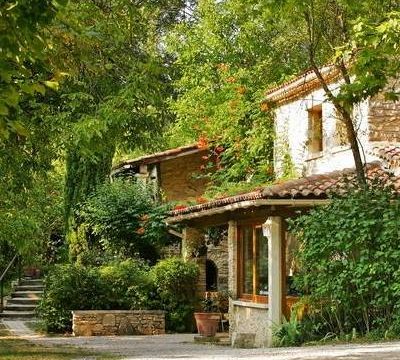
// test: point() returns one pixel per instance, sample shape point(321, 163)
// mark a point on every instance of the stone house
point(311, 146)
point(174, 172)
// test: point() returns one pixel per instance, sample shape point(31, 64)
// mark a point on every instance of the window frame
point(253, 297)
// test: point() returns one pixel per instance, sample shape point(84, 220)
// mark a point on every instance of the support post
point(232, 258)
point(192, 242)
point(274, 276)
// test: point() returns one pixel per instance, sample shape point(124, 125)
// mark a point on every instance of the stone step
point(23, 301)
point(29, 288)
point(31, 282)
point(19, 307)
point(27, 294)
point(17, 314)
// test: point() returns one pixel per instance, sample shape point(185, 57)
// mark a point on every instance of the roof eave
point(245, 205)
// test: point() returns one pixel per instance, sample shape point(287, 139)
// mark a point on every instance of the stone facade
point(384, 119)
point(219, 255)
point(177, 177)
point(118, 322)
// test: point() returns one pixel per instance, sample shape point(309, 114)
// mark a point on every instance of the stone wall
point(177, 179)
point(384, 119)
point(118, 322)
point(248, 324)
point(219, 255)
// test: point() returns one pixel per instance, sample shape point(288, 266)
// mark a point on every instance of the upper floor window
point(253, 264)
point(315, 130)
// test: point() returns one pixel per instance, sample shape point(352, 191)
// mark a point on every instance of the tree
point(116, 94)
point(24, 47)
point(225, 58)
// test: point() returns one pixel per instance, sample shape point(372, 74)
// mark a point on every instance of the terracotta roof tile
point(311, 187)
point(390, 153)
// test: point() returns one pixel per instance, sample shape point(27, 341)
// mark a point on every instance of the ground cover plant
point(348, 267)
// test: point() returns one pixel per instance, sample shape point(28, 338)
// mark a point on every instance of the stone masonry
point(178, 181)
point(118, 322)
point(384, 119)
point(219, 255)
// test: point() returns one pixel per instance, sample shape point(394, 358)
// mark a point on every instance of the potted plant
point(207, 321)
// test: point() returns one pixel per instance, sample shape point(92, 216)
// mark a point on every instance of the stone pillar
point(232, 258)
point(192, 241)
point(201, 285)
point(274, 276)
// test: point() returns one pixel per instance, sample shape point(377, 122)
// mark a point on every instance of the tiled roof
point(390, 153)
point(160, 156)
point(311, 187)
point(300, 85)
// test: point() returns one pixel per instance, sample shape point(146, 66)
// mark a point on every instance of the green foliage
point(126, 220)
point(226, 58)
point(375, 56)
point(289, 333)
point(24, 49)
point(128, 284)
point(175, 282)
point(70, 287)
point(348, 260)
point(30, 217)
point(118, 285)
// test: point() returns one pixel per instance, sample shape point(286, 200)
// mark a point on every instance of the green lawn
point(14, 348)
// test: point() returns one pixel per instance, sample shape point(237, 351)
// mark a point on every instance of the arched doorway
point(211, 276)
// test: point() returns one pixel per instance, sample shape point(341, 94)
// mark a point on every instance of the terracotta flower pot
point(207, 323)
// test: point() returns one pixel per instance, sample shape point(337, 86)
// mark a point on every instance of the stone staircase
point(23, 300)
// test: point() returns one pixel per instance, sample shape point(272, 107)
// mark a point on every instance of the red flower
point(219, 149)
point(202, 142)
point(140, 231)
point(180, 207)
point(201, 200)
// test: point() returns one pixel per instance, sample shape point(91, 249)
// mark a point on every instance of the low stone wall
point(118, 322)
point(248, 324)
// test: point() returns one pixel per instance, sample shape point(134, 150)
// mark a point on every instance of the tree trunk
point(348, 120)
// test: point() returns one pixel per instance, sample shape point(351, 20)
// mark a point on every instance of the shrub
point(70, 287)
point(124, 285)
point(128, 284)
point(175, 282)
point(348, 258)
point(126, 220)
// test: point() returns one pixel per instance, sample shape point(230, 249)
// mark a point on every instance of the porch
point(260, 263)
point(260, 249)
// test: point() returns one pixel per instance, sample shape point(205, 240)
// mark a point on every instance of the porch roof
point(309, 190)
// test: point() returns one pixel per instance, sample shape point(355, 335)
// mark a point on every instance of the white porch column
point(274, 276)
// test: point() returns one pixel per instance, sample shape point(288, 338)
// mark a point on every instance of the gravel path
point(181, 346)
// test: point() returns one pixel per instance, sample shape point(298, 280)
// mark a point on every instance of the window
point(253, 264)
point(315, 137)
